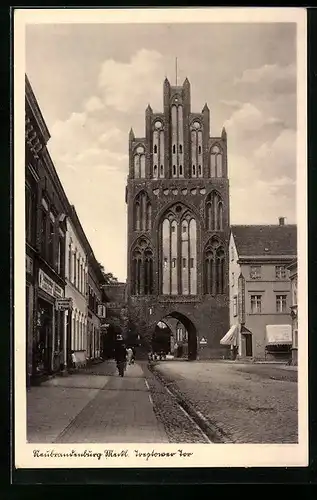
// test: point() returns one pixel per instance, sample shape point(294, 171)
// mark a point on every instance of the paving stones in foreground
point(247, 406)
point(178, 427)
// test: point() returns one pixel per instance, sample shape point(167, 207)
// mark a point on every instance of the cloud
point(281, 78)
point(249, 117)
point(266, 200)
point(131, 85)
point(278, 155)
point(232, 103)
point(94, 104)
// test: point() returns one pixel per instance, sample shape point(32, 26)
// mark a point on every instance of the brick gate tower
point(178, 224)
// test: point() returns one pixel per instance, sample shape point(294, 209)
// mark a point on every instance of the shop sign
point(101, 311)
point(58, 291)
point(64, 304)
point(49, 286)
point(29, 264)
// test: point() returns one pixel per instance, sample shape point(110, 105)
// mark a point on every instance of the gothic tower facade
point(178, 224)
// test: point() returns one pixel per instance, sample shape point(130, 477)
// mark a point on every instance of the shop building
point(260, 291)
point(36, 137)
point(46, 213)
point(76, 275)
point(96, 309)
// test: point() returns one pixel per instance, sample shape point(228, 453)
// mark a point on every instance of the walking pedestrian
point(129, 355)
point(133, 355)
point(121, 358)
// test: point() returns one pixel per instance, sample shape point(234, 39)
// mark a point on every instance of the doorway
point(248, 344)
point(43, 340)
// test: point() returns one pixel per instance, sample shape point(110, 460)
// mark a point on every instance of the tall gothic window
point(216, 162)
point(142, 212)
point(177, 139)
point(214, 262)
point(139, 162)
point(179, 252)
point(196, 149)
point(142, 268)
point(158, 150)
point(214, 212)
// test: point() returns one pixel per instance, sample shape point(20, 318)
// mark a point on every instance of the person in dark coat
point(120, 355)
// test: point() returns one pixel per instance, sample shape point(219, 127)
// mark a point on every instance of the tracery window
point(179, 252)
point(139, 162)
point(142, 268)
point(214, 212)
point(196, 149)
point(158, 150)
point(142, 212)
point(214, 263)
point(177, 139)
point(216, 162)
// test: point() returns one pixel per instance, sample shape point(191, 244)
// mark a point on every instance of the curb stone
point(214, 433)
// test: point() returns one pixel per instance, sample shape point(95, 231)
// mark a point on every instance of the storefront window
point(42, 349)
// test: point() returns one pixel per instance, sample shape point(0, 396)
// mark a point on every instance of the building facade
point(76, 274)
point(36, 138)
point(46, 212)
point(294, 309)
point(96, 309)
point(178, 223)
point(260, 290)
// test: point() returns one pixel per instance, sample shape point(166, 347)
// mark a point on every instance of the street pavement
point(246, 403)
point(93, 406)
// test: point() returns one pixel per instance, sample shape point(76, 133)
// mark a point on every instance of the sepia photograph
point(160, 236)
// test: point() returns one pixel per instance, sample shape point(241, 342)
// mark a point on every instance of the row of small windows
point(216, 166)
point(256, 305)
point(256, 272)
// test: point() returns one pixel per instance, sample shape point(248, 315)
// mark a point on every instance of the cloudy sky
point(93, 82)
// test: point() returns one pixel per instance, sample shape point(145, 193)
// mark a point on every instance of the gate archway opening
point(177, 335)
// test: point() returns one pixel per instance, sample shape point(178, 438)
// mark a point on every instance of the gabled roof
point(265, 240)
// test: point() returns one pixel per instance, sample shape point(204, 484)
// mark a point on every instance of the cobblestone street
point(246, 403)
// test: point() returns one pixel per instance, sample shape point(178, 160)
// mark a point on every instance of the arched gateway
point(178, 224)
point(183, 334)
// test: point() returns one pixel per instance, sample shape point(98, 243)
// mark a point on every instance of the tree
point(109, 277)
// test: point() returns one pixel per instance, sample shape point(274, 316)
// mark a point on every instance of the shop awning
point(278, 334)
point(231, 336)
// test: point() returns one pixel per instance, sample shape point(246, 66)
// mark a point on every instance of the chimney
point(281, 221)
